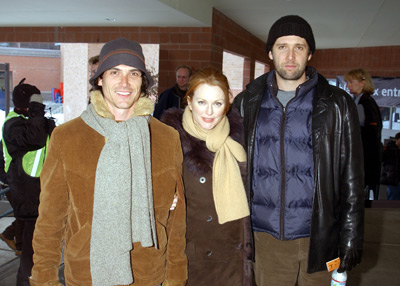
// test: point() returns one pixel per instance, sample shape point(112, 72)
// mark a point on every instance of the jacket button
point(209, 219)
point(209, 253)
point(202, 180)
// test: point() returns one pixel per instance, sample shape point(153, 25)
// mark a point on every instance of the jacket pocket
point(77, 255)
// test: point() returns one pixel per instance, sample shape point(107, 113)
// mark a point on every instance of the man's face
point(182, 78)
point(121, 89)
point(93, 69)
point(290, 55)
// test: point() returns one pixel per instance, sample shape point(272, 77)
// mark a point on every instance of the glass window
point(390, 117)
point(259, 69)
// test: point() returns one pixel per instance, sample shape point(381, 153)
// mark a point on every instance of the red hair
point(210, 76)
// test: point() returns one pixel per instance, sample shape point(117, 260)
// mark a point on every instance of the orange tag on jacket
point(333, 264)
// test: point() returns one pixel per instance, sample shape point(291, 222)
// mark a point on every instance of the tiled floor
point(380, 264)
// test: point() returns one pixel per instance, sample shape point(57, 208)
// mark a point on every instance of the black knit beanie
point(22, 94)
point(291, 25)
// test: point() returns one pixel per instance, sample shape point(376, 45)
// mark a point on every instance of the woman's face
point(207, 106)
point(355, 86)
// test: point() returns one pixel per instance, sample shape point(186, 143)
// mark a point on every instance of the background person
point(26, 133)
point(360, 84)
point(218, 228)
point(391, 168)
point(93, 65)
point(108, 184)
point(303, 146)
point(174, 96)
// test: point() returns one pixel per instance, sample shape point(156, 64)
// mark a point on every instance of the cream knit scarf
point(228, 190)
point(123, 211)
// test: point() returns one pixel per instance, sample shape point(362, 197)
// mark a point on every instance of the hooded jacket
point(337, 222)
point(66, 209)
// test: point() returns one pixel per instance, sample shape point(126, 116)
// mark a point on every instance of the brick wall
point(229, 36)
point(201, 47)
point(44, 73)
point(198, 47)
point(378, 61)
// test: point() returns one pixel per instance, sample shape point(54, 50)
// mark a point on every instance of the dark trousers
point(15, 232)
point(16, 229)
point(279, 262)
point(26, 262)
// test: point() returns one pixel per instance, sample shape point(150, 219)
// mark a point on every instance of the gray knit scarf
point(123, 211)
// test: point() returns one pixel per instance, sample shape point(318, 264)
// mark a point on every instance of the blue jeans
point(393, 192)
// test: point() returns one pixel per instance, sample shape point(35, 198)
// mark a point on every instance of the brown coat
point(218, 254)
point(66, 209)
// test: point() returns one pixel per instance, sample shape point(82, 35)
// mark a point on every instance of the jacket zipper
point(283, 167)
point(283, 174)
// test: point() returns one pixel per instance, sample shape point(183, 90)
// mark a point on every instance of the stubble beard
point(295, 75)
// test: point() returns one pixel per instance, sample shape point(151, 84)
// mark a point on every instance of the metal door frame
point(5, 67)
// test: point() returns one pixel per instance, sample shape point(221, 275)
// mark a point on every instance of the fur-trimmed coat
point(218, 254)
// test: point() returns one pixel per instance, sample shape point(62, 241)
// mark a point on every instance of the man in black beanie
point(26, 132)
point(304, 157)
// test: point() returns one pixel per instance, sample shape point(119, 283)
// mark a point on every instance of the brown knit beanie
point(291, 25)
point(121, 52)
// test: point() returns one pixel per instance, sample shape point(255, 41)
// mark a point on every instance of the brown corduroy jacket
point(66, 209)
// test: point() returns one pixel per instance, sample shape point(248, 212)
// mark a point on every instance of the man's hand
point(349, 257)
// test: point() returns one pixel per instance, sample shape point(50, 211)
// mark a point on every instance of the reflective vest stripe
point(36, 162)
point(32, 161)
point(7, 156)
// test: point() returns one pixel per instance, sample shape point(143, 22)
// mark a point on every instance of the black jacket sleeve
point(22, 135)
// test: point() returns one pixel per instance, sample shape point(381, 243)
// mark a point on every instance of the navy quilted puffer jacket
point(283, 167)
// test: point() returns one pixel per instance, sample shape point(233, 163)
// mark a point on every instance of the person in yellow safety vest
point(26, 133)
point(32, 161)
